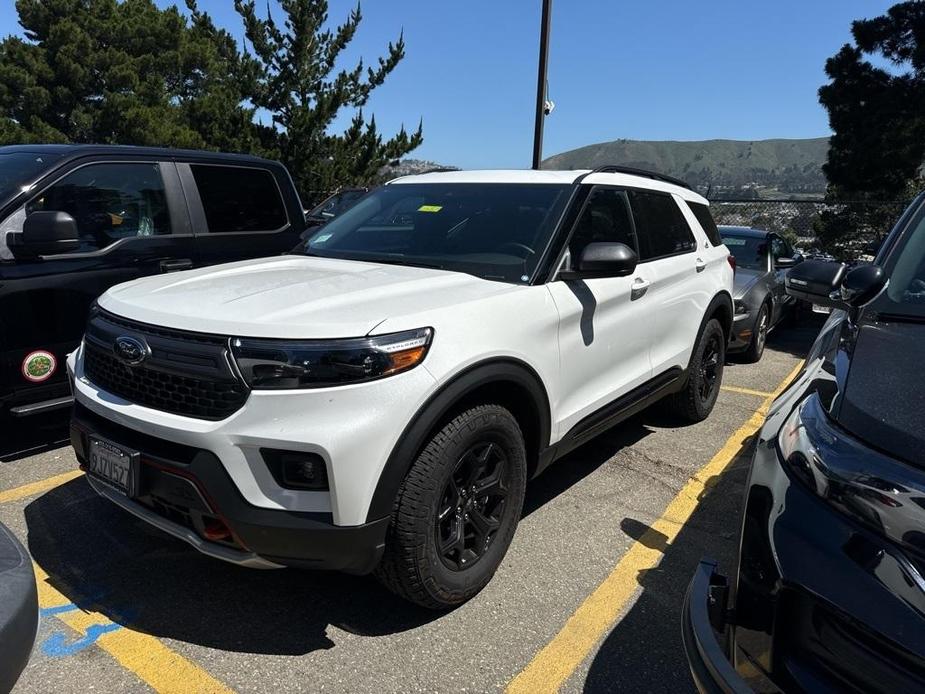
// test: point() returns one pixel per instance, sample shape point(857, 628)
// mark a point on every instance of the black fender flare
point(435, 410)
point(722, 299)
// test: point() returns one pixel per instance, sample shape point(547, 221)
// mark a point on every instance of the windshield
point(18, 169)
point(750, 253)
point(497, 231)
point(905, 294)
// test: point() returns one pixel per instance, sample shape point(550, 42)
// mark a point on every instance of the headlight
point(280, 364)
point(871, 487)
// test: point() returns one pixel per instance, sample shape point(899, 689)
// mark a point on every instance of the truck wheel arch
point(508, 382)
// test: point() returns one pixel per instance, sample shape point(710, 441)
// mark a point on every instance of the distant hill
point(410, 167)
point(734, 168)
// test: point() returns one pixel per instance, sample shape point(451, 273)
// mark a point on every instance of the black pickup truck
point(77, 219)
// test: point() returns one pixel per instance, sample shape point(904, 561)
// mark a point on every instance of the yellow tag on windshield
point(430, 208)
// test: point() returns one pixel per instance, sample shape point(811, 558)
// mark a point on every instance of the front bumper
point(185, 491)
point(353, 429)
point(704, 609)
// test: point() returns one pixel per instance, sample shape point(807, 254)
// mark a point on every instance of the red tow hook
point(215, 530)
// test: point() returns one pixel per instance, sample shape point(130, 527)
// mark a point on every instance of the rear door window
point(660, 225)
point(237, 199)
point(109, 202)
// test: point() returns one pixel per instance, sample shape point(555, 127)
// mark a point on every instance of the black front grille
point(186, 373)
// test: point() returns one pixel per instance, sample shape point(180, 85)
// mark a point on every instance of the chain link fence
point(848, 229)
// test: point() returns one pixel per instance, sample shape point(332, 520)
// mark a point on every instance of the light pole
point(541, 110)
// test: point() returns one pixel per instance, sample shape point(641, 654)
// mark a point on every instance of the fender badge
point(39, 366)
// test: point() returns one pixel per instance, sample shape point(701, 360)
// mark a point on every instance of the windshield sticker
point(321, 238)
point(730, 241)
point(430, 208)
point(39, 366)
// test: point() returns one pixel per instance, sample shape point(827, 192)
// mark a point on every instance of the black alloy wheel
point(710, 368)
point(472, 506)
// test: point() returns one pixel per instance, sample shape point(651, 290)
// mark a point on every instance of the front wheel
point(457, 510)
point(695, 401)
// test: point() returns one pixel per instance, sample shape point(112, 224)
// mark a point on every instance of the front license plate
point(114, 465)
point(821, 309)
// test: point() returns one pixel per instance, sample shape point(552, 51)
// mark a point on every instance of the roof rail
point(616, 168)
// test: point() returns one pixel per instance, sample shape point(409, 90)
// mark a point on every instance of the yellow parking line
point(746, 391)
point(39, 487)
point(156, 665)
point(553, 665)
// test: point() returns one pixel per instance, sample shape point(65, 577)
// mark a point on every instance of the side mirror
point(48, 233)
point(831, 284)
point(862, 284)
point(784, 263)
point(603, 259)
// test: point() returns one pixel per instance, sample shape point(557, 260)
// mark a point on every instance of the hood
point(874, 385)
point(744, 280)
point(293, 296)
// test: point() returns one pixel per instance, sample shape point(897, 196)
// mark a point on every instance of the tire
point(759, 336)
point(435, 500)
point(694, 402)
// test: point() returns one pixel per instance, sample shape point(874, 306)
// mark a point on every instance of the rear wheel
point(457, 510)
point(759, 336)
point(695, 401)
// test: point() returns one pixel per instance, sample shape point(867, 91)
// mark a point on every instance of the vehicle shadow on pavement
point(644, 651)
point(106, 560)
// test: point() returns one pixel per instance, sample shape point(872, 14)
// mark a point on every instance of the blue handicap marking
point(57, 609)
point(57, 644)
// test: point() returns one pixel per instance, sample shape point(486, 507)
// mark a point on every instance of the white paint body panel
point(355, 427)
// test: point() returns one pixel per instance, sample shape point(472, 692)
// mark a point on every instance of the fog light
point(297, 470)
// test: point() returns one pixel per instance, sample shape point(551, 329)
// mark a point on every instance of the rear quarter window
point(239, 198)
point(702, 213)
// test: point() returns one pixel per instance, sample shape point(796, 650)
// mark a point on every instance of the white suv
point(378, 399)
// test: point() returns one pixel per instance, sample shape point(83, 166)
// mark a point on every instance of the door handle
point(176, 265)
point(700, 266)
point(640, 287)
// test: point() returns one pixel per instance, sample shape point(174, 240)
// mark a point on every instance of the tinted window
point(239, 199)
point(20, 168)
point(606, 217)
point(493, 230)
point(702, 213)
point(750, 252)
point(660, 225)
point(109, 202)
point(905, 294)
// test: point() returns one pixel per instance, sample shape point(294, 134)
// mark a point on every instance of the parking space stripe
point(150, 660)
point(746, 391)
point(40, 487)
point(553, 665)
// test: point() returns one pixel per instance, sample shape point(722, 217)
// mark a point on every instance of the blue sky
point(658, 70)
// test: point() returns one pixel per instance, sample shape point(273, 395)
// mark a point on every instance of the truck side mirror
point(49, 233)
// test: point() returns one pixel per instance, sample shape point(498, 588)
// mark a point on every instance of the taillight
point(732, 262)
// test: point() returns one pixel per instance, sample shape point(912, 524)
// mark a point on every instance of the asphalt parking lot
point(588, 598)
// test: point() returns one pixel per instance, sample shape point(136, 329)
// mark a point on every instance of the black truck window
point(109, 202)
point(239, 199)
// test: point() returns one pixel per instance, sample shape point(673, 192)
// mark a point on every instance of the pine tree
point(124, 72)
point(298, 85)
point(877, 115)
